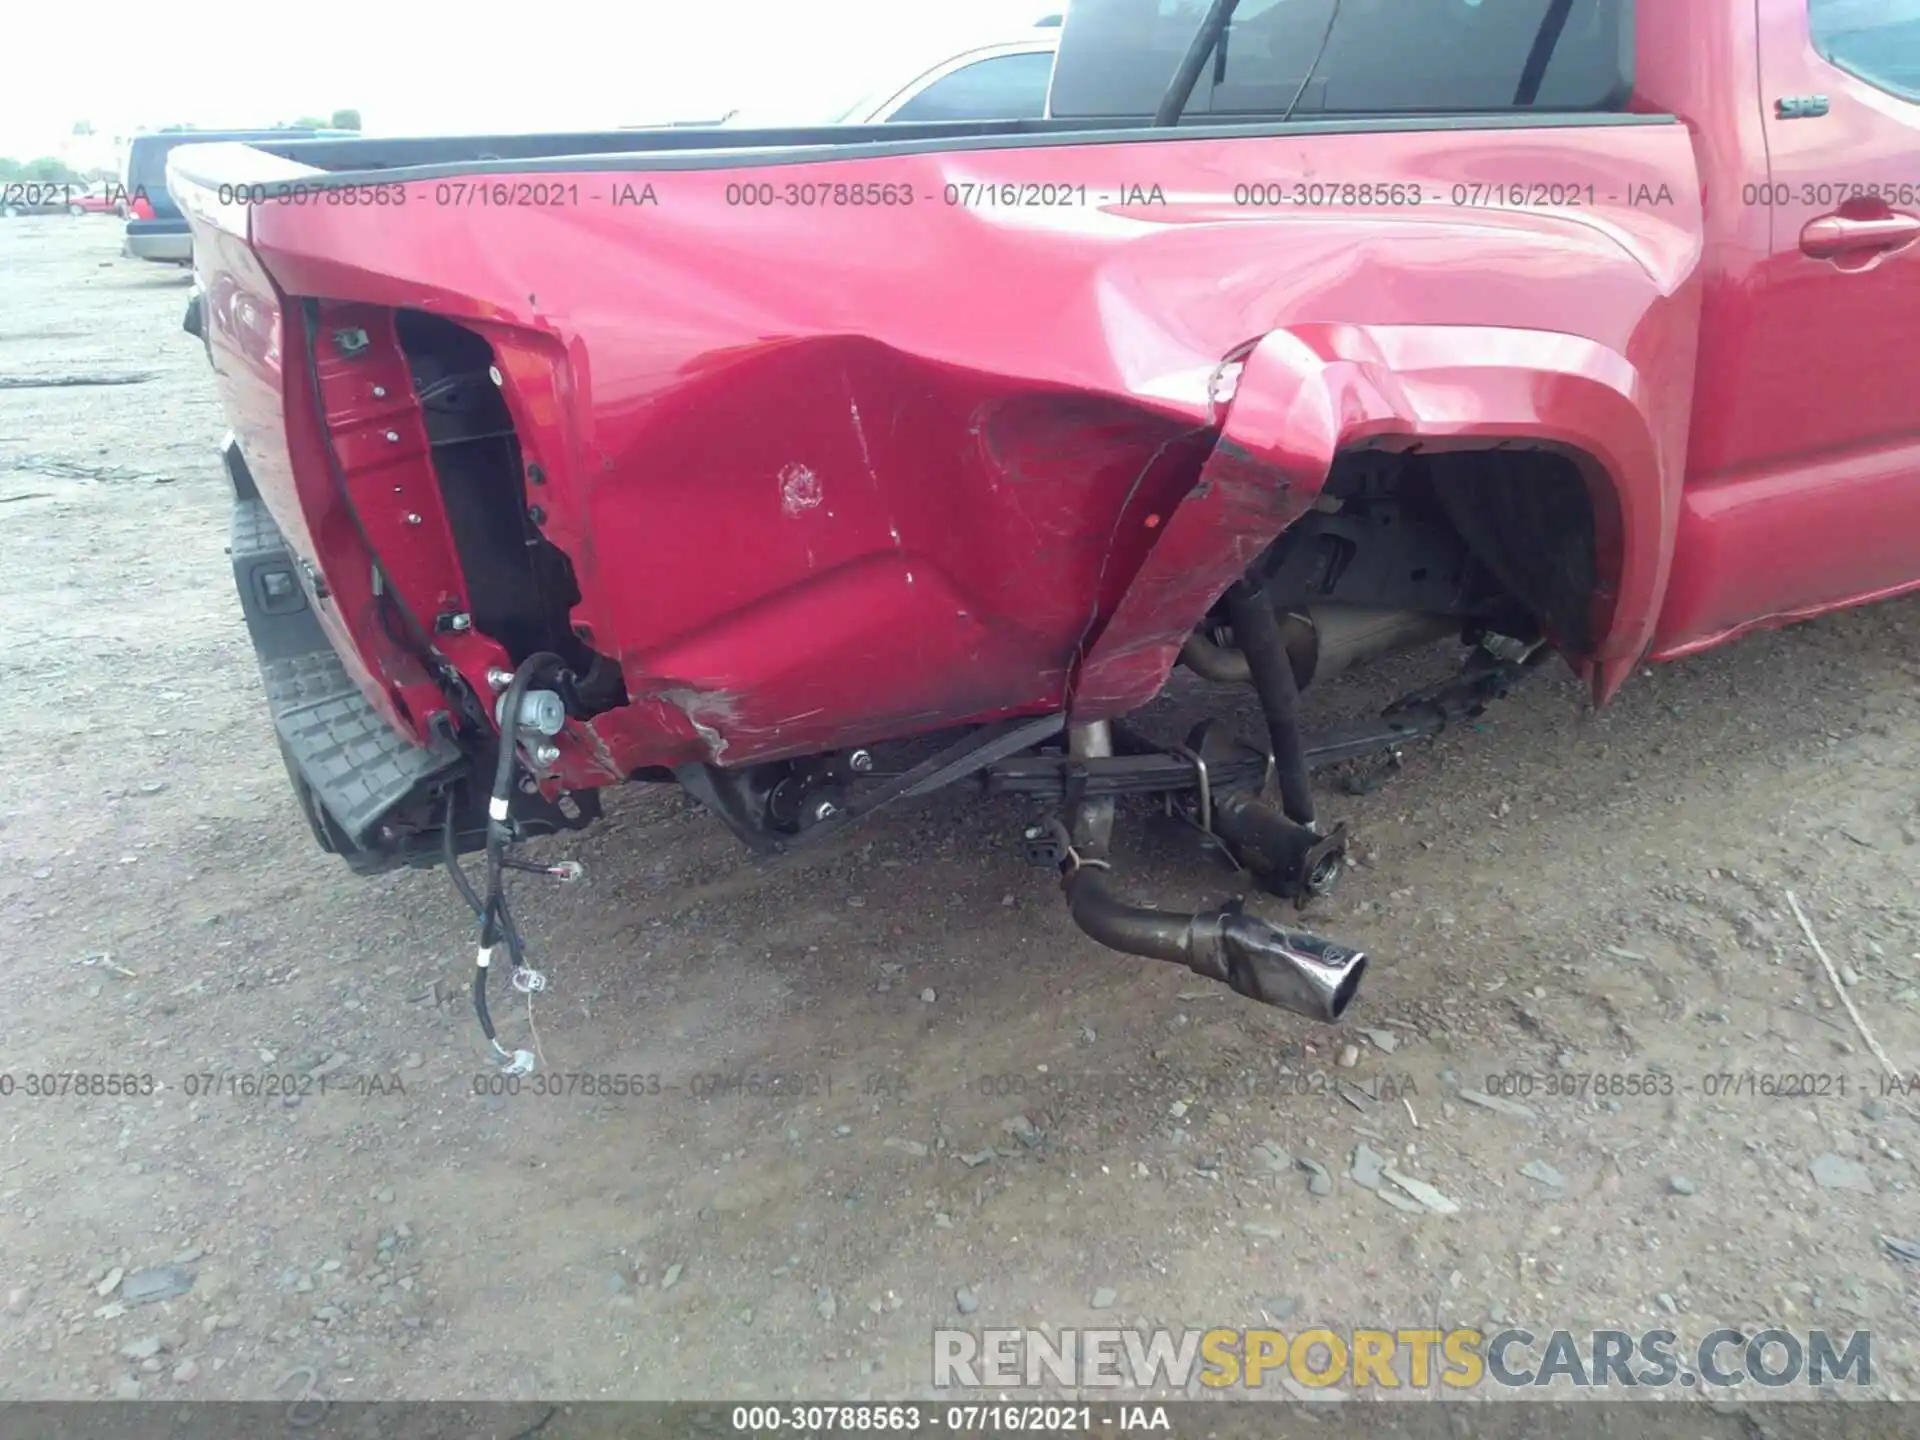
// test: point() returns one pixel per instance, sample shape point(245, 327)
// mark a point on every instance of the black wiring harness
point(497, 925)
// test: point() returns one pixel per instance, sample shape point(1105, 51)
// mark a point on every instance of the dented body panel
point(839, 473)
point(830, 439)
point(718, 457)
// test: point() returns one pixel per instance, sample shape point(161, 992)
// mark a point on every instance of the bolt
point(379, 392)
point(546, 754)
point(493, 374)
point(393, 437)
point(536, 514)
point(460, 622)
point(412, 519)
point(861, 761)
point(499, 679)
point(535, 475)
point(824, 809)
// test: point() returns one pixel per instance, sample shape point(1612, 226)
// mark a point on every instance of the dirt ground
point(896, 1083)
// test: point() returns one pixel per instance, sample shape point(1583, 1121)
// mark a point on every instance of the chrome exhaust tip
point(1293, 969)
point(1290, 969)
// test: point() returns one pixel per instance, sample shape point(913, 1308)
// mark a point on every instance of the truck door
point(1816, 499)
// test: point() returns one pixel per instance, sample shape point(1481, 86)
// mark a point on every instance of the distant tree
point(305, 122)
point(346, 120)
point(50, 170)
point(83, 127)
point(47, 170)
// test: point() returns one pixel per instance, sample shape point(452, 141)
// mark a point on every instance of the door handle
point(1833, 236)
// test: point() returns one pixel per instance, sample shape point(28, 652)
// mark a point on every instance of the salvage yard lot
point(799, 1114)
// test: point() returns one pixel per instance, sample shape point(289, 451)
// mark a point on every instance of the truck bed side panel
point(841, 449)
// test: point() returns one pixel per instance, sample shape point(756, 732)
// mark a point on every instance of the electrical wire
point(497, 925)
point(450, 855)
point(451, 858)
point(1333, 17)
point(447, 384)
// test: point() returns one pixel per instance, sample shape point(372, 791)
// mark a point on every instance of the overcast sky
point(412, 68)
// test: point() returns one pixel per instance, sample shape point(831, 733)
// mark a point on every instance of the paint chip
point(799, 489)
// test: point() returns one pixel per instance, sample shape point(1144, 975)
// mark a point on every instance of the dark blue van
point(156, 230)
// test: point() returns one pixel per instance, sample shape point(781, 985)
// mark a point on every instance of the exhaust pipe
point(1324, 640)
point(1290, 969)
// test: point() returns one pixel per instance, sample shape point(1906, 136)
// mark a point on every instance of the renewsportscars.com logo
point(1400, 1359)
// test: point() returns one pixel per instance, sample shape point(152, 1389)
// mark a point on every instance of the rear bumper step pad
point(359, 766)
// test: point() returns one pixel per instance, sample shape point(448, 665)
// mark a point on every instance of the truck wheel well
point(1528, 516)
point(1505, 539)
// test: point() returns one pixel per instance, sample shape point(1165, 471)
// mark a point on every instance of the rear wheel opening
point(1402, 550)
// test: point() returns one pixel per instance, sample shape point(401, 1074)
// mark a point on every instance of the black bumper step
point(357, 766)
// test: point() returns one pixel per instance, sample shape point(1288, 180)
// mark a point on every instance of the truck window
point(1006, 87)
point(1877, 40)
point(1381, 57)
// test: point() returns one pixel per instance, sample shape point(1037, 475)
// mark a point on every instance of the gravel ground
point(958, 1110)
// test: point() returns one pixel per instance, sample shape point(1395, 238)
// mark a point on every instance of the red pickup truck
point(1299, 331)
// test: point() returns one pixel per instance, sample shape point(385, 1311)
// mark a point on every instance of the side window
point(1878, 40)
point(1006, 87)
point(1352, 57)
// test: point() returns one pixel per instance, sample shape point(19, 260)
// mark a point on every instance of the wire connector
point(1074, 861)
point(565, 871)
point(527, 980)
point(522, 1063)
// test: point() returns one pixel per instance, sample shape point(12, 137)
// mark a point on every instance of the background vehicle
point(103, 197)
point(1558, 326)
point(36, 197)
point(1006, 80)
point(155, 228)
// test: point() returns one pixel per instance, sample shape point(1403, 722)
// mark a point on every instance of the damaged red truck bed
point(1558, 326)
